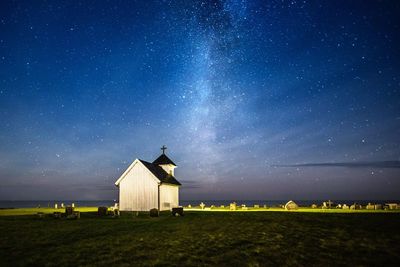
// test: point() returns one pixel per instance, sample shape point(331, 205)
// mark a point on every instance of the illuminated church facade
point(144, 185)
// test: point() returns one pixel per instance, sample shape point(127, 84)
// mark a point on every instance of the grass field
point(201, 238)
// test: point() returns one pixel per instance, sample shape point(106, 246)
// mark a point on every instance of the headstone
point(73, 205)
point(222, 206)
point(370, 206)
point(212, 207)
point(353, 207)
point(202, 205)
point(69, 210)
point(178, 211)
point(339, 206)
point(392, 206)
point(154, 213)
point(62, 205)
point(291, 205)
point(314, 206)
point(377, 206)
point(102, 211)
point(345, 207)
point(232, 206)
point(189, 206)
point(265, 207)
point(256, 206)
point(56, 206)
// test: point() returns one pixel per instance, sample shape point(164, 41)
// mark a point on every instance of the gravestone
point(73, 205)
point(265, 207)
point(178, 211)
point(222, 206)
point(202, 205)
point(62, 205)
point(189, 206)
point(232, 206)
point(56, 206)
point(345, 207)
point(256, 206)
point(392, 206)
point(102, 211)
point(69, 211)
point(377, 206)
point(291, 205)
point(370, 206)
point(314, 206)
point(154, 213)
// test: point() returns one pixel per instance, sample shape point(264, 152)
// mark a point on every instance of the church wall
point(138, 191)
point(169, 196)
point(168, 168)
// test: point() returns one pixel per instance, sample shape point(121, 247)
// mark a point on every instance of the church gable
point(137, 163)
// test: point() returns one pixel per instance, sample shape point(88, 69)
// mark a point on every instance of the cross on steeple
point(163, 148)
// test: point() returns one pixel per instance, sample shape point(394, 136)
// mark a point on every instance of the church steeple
point(164, 162)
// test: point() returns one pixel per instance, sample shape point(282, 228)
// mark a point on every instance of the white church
point(144, 185)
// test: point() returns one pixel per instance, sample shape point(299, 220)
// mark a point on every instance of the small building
point(291, 205)
point(144, 185)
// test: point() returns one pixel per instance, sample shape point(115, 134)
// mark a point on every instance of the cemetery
point(202, 233)
point(148, 226)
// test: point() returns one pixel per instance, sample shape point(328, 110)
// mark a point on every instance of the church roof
point(163, 159)
point(159, 172)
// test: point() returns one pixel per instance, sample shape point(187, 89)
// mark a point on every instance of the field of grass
point(31, 211)
point(201, 238)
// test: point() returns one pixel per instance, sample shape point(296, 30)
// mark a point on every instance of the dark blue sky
point(254, 99)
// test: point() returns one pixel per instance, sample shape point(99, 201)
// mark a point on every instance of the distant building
point(144, 185)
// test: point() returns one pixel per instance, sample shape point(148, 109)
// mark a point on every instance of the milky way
point(254, 99)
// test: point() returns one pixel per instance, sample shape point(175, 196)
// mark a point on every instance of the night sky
point(254, 99)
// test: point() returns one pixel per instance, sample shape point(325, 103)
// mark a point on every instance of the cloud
point(190, 184)
point(394, 164)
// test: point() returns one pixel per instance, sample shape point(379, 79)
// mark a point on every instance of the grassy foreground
point(202, 238)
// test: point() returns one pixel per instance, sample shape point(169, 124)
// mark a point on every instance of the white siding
point(169, 196)
point(138, 191)
point(169, 168)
